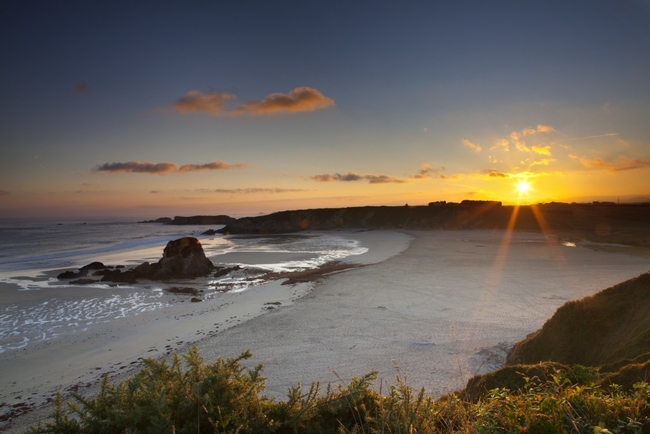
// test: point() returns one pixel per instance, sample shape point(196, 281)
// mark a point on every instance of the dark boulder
point(183, 258)
point(92, 266)
point(118, 276)
point(146, 270)
point(68, 275)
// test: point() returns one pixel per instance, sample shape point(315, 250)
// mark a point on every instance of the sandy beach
point(435, 306)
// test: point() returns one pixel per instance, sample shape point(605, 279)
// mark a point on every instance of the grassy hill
point(605, 328)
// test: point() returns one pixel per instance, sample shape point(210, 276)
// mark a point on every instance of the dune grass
point(601, 329)
point(189, 395)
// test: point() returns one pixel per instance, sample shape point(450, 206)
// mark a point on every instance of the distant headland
point(193, 220)
point(597, 221)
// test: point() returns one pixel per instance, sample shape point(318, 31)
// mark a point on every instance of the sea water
point(36, 306)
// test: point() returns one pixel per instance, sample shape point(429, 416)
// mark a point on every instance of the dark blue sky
point(85, 83)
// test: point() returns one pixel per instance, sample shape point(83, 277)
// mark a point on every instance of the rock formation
point(182, 259)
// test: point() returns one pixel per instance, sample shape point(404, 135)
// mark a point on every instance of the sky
point(158, 108)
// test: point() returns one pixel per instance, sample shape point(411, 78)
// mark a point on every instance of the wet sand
point(447, 307)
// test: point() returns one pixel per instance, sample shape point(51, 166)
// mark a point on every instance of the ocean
point(35, 306)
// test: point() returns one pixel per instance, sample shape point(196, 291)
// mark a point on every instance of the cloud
point(351, 177)
point(300, 99)
point(473, 146)
point(383, 179)
point(543, 151)
point(540, 129)
point(515, 140)
point(215, 165)
point(81, 88)
point(138, 167)
point(623, 163)
point(163, 168)
point(258, 190)
point(155, 191)
point(521, 146)
point(4, 192)
point(593, 137)
point(493, 173)
point(210, 103)
point(427, 172)
point(543, 162)
point(504, 144)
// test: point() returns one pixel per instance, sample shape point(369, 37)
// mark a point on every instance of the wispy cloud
point(543, 162)
point(493, 173)
point(503, 144)
point(214, 165)
point(427, 172)
point(528, 131)
point(593, 137)
point(546, 150)
point(81, 88)
point(473, 146)
point(163, 168)
point(623, 163)
point(211, 103)
point(138, 167)
point(515, 140)
point(257, 190)
point(352, 176)
point(300, 99)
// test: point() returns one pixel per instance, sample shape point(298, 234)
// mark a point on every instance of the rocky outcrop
point(193, 220)
point(202, 220)
point(82, 272)
point(182, 259)
point(162, 220)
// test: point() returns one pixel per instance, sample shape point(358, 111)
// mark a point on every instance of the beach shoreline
point(435, 306)
point(76, 363)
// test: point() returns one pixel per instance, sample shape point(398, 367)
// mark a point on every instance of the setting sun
point(523, 187)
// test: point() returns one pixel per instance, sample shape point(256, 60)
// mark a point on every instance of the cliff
point(596, 341)
point(608, 327)
point(624, 224)
point(202, 220)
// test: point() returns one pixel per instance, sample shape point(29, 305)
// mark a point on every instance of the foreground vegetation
point(191, 396)
point(585, 371)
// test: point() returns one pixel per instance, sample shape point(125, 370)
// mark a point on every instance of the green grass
point(189, 395)
point(602, 329)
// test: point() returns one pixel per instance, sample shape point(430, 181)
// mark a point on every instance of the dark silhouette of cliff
point(627, 224)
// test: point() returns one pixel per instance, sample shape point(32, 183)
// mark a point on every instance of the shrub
point(190, 396)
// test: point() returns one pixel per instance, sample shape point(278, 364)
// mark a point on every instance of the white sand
point(442, 310)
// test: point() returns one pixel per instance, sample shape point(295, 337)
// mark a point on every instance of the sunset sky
point(158, 108)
